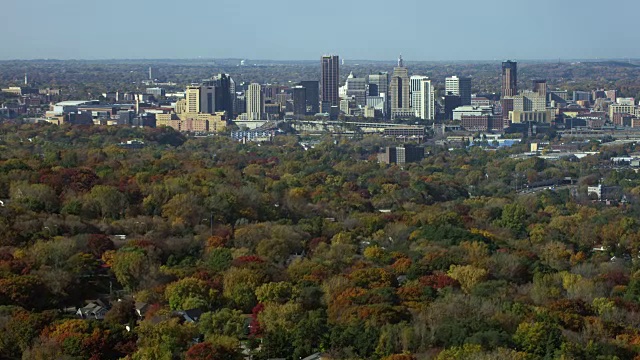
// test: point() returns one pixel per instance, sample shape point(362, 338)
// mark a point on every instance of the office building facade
point(399, 91)
point(422, 97)
point(200, 99)
point(540, 87)
point(312, 91)
point(254, 102)
point(509, 78)
point(356, 88)
point(460, 86)
point(299, 101)
point(402, 154)
point(329, 79)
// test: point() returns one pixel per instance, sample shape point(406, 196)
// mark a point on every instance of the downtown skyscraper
point(509, 78)
point(255, 102)
point(329, 82)
point(399, 91)
point(460, 86)
point(422, 97)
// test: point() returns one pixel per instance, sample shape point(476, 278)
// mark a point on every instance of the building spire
point(400, 61)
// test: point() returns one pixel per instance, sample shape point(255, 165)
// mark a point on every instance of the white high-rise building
point(415, 82)
point(427, 100)
point(255, 102)
point(422, 97)
point(460, 86)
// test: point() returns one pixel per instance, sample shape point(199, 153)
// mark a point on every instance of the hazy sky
point(298, 29)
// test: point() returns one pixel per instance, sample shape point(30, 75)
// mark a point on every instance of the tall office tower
point(379, 92)
point(378, 84)
point(423, 98)
point(399, 91)
point(313, 95)
point(232, 91)
point(356, 88)
point(415, 90)
point(509, 78)
point(329, 82)
point(540, 86)
point(299, 101)
point(200, 99)
point(255, 102)
point(150, 73)
point(225, 94)
point(460, 86)
point(241, 104)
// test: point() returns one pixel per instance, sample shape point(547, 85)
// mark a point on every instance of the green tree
point(240, 285)
point(279, 292)
point(538, 338)
point(108, 201)
point(225, 321)
point(134, 267)
point(514, 217)
point(190, 293)
point(35, 197)
point(467, 275)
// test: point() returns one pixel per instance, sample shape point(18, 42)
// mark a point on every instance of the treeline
point(82, 80)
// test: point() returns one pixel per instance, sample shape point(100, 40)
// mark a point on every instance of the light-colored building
point(21, 90)
point(529, 101)
point(255, 102)
point(460, 86)
point(621, 109)
point(422, 97)
point(356, 88)
point(369, 112)
point(200, 99)
point(626, 101)
point(480, 101)
point(471, 111)
point(415, 87)
point(545, 116)
point(378, 103)
point(194, 122)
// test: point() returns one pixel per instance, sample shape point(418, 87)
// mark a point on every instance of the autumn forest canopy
point(205, 248)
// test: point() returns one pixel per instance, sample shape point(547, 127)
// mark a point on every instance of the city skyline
point(481, 37)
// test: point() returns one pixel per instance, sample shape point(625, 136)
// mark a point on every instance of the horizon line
point(310, 60)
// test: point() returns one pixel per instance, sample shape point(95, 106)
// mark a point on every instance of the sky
point(420, 30)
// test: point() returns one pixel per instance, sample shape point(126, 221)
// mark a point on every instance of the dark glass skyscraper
point(224, 93)
point(299, 100)
point(509, 78)
point(313, 95)
point(329, 81)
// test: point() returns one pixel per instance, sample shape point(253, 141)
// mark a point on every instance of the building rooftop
point(74, 103)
